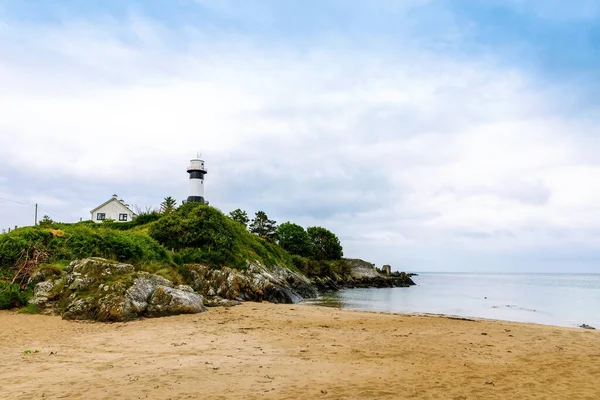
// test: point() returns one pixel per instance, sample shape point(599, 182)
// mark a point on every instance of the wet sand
point(266, 351)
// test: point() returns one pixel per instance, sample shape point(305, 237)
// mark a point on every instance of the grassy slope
point(195, 233)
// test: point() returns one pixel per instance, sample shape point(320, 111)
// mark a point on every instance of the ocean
point(549, 299)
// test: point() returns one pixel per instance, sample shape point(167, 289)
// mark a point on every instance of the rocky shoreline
point(101, 290)
point(363, 275)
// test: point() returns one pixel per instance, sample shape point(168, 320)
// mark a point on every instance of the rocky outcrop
point(101, 290)
point(255, 283)
point(97, 289)
point(360, 269)
point(362, 274)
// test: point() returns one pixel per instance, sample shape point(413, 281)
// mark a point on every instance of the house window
point(100, 216)
point(122, 217)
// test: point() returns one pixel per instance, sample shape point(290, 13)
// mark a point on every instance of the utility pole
point(35, 214)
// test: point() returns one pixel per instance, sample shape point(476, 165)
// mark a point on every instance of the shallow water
point(551, 299)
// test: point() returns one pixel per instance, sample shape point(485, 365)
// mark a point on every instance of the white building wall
point(196, 187)
point(112, 210)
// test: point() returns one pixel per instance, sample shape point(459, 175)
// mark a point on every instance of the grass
point(29, 309)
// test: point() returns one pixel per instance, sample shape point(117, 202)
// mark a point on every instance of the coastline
point(321, 304)
point(263, 350)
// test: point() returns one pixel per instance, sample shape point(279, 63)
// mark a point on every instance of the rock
point(585, 326)
point(83, 308)
point(185, 288)
point(142, 288)
point(99, 267)
point(116, 307)
point(168, 301)
point(360, 269)
point(363, 274)
point(282, 294)
point(217, 301)
point(80, 283)
point(256, 283)
point(44, 292)
point(97, 289)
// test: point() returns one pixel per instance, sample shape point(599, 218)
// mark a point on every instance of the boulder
point(98, 289)
point(81, 309)
point(116, 307)
point(255, 283)
point(360, 269)
point(168, 301)
point(143, 286)
point(44, 292)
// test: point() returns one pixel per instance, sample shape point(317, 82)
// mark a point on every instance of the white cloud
point(404, 151)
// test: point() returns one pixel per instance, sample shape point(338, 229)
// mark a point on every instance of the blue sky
point(431, 135)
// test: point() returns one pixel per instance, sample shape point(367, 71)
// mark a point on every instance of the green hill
point(195, 233)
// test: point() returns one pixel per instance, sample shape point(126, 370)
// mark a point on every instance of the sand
point(267, 351)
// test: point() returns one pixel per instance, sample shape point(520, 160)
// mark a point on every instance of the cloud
point(409, 149)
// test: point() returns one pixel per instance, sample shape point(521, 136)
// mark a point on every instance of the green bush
point(199, 233)
point(74, 241)
point(11, 296)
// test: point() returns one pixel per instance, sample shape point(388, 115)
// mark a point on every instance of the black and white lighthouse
point(196, 185)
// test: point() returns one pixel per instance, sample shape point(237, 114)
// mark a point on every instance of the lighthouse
point(196, 185)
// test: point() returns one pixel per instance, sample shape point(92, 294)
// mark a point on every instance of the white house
point(113, 209)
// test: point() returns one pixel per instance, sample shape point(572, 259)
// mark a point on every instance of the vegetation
point(294, 239)
point(11, 295)
point(45, 221)
point(316, 243)
point(321, 268)
point(240, 216)
point(198, 233)
point(263, 226)
point(168, 206)
point(162, 243)
point(325, 245)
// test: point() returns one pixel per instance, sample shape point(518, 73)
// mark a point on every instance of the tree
point(240, 216)
point(263, 226)
point(325, 245)
point(168, 205)
point(46, 221)
point(294, 239)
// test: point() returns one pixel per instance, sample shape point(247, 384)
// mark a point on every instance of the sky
point(432, 135)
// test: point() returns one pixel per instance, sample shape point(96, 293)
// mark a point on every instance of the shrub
point(75, 241)
point(11, 296)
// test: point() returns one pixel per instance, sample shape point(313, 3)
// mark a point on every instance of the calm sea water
point(551, 299)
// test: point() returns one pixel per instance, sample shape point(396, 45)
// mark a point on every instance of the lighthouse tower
point(196, 185)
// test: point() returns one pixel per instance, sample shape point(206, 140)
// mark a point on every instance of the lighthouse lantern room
point(196, 181)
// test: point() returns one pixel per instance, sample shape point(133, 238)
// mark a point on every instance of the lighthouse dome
point(196, 164)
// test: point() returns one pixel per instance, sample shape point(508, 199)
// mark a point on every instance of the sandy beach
point(267, 351)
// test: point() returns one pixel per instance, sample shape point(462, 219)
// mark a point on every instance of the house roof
point(112, 199)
